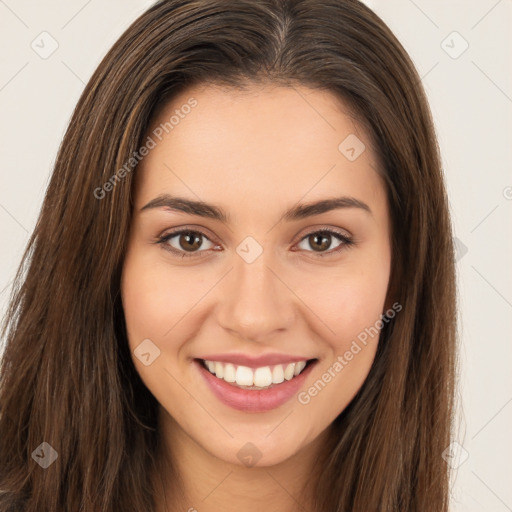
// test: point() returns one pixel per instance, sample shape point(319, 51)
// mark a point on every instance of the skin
point(254, 154)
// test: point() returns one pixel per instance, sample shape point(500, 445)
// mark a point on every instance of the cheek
point(352, 310)
point(351, 303)
point(357, 306)
point(351, 299)
point(153, 298)
point(153, 304)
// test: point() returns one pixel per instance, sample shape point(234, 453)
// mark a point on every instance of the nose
point(255, 302)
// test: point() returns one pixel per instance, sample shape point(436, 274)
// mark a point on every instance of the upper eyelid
point(185, 229)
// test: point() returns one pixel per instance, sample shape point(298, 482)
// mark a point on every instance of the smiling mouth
point(264, 377)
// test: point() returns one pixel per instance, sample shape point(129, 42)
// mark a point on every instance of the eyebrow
point(211, 211)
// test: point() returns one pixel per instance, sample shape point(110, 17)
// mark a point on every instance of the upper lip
point(254, 361)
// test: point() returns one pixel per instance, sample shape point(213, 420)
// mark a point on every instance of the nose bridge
point(255, 302)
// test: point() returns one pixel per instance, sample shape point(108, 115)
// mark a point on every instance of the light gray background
point(471, 99)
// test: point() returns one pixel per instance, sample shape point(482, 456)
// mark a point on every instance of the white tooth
point(244, 376)
point(229, 373)
point(219, 370)
point(262, 377)
point(277, 374)
point(299, 367)
point(211, 366)
point(288, 373)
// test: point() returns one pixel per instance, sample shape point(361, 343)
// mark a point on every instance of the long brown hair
point(67, 378)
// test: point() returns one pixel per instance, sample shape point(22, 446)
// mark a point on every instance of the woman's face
point(262, 281)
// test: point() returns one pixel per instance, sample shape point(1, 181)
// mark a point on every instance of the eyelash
point(347, 242)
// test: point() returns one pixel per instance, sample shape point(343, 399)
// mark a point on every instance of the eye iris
point(320, 241)
point(192, 241)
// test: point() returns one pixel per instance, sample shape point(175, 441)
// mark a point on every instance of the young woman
point(239, 294)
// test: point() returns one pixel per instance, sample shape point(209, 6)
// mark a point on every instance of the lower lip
point(249, 400)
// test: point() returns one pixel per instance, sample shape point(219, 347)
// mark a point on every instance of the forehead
point(273, 143)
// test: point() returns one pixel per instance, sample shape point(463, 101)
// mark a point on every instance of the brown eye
point(190, 241)
point(186, 241)
point(321, 242)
